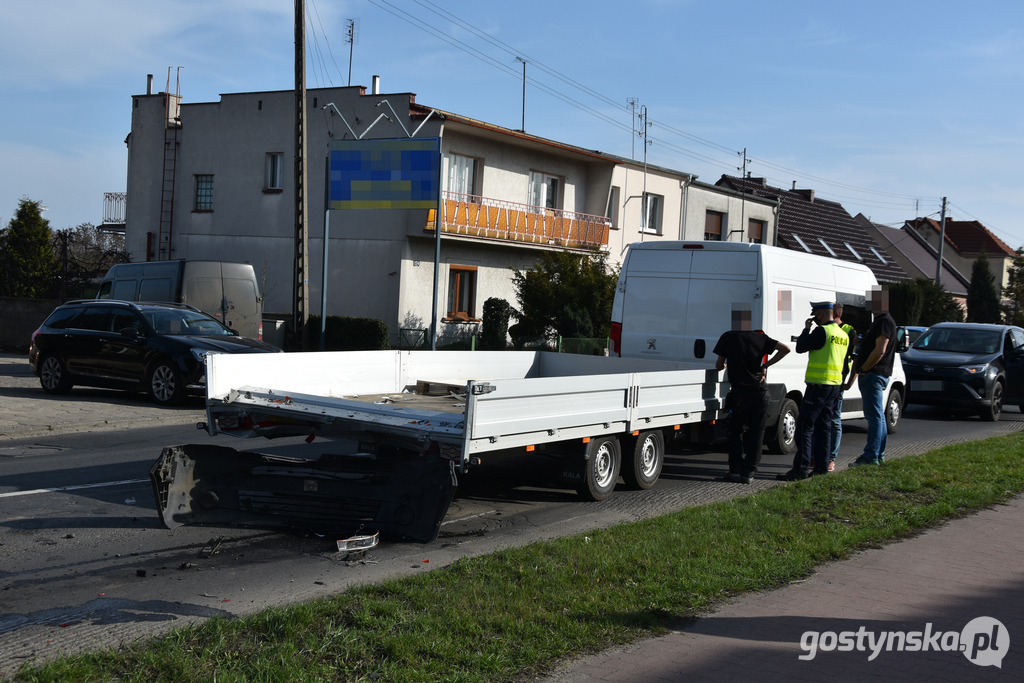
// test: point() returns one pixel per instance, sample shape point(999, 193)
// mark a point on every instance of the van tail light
point(260, 333)
point(616, 336)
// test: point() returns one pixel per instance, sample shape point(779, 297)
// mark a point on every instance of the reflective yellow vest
point(825, 365)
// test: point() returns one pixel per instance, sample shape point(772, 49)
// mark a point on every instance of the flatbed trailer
point(420, 419)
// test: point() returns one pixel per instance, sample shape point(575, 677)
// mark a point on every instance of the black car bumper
point(949, 392)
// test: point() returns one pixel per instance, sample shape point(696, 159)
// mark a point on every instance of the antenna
point(632, 102)
point(350, 38)
point(523, 129)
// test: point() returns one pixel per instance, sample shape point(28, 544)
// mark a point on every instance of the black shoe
point(818, 473)
point(734, 477)
point(746, 478)
point(792, 475)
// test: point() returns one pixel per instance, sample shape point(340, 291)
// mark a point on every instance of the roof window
point(854, 252)
point(801, 243)
point(879, 255)
point(827, 248)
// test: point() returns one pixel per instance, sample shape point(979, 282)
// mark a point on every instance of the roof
point(915, 255)
point(968, 237)
point(812, 220)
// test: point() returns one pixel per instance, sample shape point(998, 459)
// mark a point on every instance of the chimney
point(806, 194)
point(794, 186)
point(149, 84)
point(376, 86)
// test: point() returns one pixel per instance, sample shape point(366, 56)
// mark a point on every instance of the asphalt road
point(87, 561)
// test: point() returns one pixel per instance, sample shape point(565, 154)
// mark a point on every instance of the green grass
point(512, 614)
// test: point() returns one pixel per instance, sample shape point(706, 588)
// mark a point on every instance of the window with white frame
point(463, 175)
point(545, 191)
point(461, 292)
point(275, 171)
point(204, 193)
point(612, 211)
point(653, 208)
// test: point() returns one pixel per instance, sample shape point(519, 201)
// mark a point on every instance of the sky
point(884, 106)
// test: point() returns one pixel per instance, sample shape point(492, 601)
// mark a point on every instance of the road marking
point(71, 488)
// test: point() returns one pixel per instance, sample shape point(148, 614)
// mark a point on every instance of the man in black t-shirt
point(744, 353)
point(875, 358)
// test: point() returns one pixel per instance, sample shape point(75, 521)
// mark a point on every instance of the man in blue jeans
point(875, 358)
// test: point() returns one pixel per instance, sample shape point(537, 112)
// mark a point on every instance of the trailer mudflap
point(404, 498)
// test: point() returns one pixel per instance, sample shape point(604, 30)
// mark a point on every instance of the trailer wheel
point(783, 439)
point(642, 467)
point(601, 468)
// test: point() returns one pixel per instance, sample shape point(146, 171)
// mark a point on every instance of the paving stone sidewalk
point(940, 581)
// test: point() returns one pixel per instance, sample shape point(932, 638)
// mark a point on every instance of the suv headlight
point(974, 369)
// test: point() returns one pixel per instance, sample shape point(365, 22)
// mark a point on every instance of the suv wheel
point(991, 412)
point(165, 384)
point(53, 376)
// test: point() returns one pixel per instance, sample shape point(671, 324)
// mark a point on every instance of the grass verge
point(512, 614)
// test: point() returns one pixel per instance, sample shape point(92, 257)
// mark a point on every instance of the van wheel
point(991, 412)
point(783, 438)
point(165, 384)
point(53, 376)
point(601, 468)
point(642, 467)
point(893, 412)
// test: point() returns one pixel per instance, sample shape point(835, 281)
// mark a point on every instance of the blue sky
point(883, 106)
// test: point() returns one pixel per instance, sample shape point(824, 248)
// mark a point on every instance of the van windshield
point(174, 321)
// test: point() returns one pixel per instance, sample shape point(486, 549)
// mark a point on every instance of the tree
point(84, 254)
point(905, 302)
point(937, 305)
point(1015, 291)
point(565, 293)
point(982, 297)
point(28, 262)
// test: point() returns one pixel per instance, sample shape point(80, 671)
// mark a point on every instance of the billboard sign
point(401, 173)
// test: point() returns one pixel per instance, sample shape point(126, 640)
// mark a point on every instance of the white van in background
point(675, 299)
point(227, 291)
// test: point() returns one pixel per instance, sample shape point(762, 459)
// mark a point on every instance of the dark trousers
point(814, 428)
point(748, 411)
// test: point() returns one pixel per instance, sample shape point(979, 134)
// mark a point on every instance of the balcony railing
point(113, 207)
point(464, 214)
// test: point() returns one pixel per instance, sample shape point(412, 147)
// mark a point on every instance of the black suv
point(967, 365)
point(155, 347)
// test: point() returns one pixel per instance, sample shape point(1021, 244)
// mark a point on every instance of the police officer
point(826, 349)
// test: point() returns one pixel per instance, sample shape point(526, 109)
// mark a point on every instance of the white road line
point(71, 488)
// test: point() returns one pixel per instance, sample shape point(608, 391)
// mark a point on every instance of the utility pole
point(942, 239)
point(523, 129)
point(645, 201)
point(350, 38)
point(743, 199)
point(300, 300)
point(632, 101)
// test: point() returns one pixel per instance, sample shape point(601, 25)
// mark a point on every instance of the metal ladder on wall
point(172, 123)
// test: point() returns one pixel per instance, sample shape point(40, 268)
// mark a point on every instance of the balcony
point(114, 204)
point(463, 214)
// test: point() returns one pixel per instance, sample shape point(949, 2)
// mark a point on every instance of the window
point(853, 251)
point(462, 292)
point(275, 171)
point(462, 175)
point(713, 225)
point(204, 193)
point(802, 243)
point(156, 289)
point(651, 219)
point(91, 318)
point(827, 248)
point(755, 231)
point(123, 290)
point(879, 255)
point(545, 190)
point(612, 211)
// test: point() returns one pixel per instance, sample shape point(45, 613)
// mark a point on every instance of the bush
point(496, 316)
point(350, 334)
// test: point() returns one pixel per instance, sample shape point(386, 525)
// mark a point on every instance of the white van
point(675, 299)
point(227, 291)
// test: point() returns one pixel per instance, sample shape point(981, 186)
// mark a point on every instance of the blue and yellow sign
point(385, 174)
